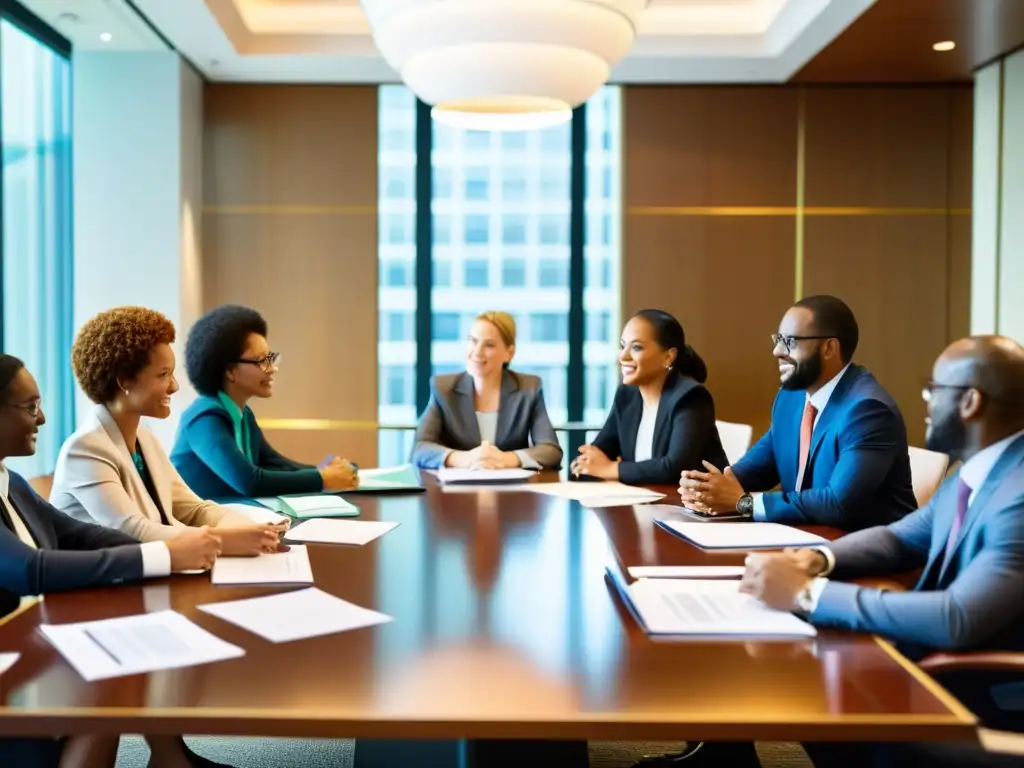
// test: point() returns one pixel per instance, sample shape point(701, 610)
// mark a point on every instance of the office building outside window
point(35, 136)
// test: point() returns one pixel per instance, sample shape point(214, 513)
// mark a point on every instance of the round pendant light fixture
point(503, 64)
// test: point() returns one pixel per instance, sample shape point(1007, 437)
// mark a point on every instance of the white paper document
point(8, 660)
point(136, 644)
point(291, 567)
point(708, 608)
point(686, 571)
point(356, 532)
point(742, 535)
point(260, 515)
point(483, 476)
point(295, 615)
point(600, 502)
point(603, 492)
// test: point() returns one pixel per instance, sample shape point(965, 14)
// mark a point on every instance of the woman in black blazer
point(663, 419)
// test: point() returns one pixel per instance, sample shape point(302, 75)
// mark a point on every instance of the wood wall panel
point(291, 230)
point(696, 156)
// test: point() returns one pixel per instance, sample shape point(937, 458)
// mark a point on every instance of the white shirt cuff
point(830, 560)
point(758, 507)
point(156, 560)
point(817, 587)
point(526, 461)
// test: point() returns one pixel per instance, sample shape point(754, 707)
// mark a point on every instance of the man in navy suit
point(44, 550)
point(837, 444)
point(969, 540)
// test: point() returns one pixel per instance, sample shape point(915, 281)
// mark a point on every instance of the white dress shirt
point(156, 558)
point(974, 472)
point(645, 433)
point(488, 425)
point(820, 401)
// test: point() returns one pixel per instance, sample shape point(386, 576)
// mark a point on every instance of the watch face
point(746, 505)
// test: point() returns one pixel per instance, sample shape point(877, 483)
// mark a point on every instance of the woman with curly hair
point(220, 450)
point(113, 471)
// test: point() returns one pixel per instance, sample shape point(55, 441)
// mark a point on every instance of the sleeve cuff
point(817, 588)
point(759, 514)
point(526, 461)
point(156, 560)
point(830, 561)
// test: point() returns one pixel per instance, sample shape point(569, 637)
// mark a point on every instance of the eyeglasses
point(931, 386)
point(790, 342)
point(266, 364)
point(32, 409)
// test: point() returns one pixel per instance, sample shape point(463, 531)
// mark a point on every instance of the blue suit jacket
point(71, 554)
point(975, 601)
point(858, 467)
point(211, 464)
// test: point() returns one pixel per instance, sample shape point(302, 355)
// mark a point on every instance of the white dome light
point(503, 64)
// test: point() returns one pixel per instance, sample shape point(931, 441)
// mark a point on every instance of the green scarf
point(239, 422)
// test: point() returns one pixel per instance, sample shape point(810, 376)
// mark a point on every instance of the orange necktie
point(806, 429)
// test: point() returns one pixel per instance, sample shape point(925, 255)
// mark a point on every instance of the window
point(476, 273)
point(442, 273)
point(513, 186)
point(398, 183)
point(397, 384)
point(514, 140)
point(442, 183)
point(548, 326)
point(35, 136)
point(477, 230)
point(396, 326)
point(442, 230)
point(513, 230)
point(401, 229)
point(513, 273)
point(447, 326)
point(554, 230)
point(396, 273)
point(477, 186)
point(598, 326)
point(553, 273)
point(554, 183)
point(478, 140)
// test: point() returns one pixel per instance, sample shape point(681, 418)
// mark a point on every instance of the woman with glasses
point(220, 450)
point(113, 471)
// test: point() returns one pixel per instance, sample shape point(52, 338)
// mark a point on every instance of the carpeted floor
point(337, 753)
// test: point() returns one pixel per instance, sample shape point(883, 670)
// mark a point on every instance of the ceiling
point(679, 41)
point(328, 41)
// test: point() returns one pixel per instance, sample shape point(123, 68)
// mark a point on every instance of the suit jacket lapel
point(23, 506)
point(465, 407)
point(507, 407)
point(832, 410)
point(629, 423)
point(1010, 459)
point(128, 470)
point(152, 452)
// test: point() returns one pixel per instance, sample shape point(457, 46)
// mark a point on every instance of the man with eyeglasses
point(837, 445)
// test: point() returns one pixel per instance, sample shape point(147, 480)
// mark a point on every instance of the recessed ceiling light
point(945, 45)
point(106, 37)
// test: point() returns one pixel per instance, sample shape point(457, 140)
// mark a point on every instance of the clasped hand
point(777, 579)
point(712, 492)
point(484, 456)
point(252, 540)
point(594, 462)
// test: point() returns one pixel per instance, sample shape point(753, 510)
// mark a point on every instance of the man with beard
point(837, 444)
point(969, 540)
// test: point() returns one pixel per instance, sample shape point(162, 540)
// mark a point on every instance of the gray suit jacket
point(449, 422)
point(975, 601)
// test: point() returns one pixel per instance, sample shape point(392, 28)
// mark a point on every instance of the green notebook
point(402, 479)
point(315, 505)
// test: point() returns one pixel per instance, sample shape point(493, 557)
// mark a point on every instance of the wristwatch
point(745, 506)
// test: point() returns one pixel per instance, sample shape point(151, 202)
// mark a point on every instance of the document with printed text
point(356, 532)
point(291, 567)
point(136, 644)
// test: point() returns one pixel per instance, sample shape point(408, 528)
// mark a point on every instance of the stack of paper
point(356, 532)
point(318, 505)
point(598, 494)
point(387, 480)
point(695, 607)
point(136, 644)
point(686, 571)
point(295, 615)
point(483, 476)
point(742, 535)
point(291, 567)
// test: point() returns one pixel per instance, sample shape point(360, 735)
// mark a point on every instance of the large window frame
point(60, 405)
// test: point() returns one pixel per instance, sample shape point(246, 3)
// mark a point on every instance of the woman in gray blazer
point(488, 417)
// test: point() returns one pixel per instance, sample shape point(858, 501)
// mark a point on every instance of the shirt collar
point(231, 407)
point(5, 480)
point(976, 469)
point(820, 398)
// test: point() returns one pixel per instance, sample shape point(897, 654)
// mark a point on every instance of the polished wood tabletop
point(504, 627)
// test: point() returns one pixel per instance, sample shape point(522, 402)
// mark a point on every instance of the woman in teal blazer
point(220, 450)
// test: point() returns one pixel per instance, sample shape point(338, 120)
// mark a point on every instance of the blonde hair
point(504, 322)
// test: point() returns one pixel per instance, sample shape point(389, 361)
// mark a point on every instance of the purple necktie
point(963, 495)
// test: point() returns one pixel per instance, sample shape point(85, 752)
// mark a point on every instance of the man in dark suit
point(969, 540)
point(43, 550)
point(837, 444)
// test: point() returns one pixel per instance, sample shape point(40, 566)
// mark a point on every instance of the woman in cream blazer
point(113, 471)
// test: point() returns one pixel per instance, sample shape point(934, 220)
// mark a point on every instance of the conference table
point(505, 628)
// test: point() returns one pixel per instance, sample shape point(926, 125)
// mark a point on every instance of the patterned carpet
point(330, 753)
